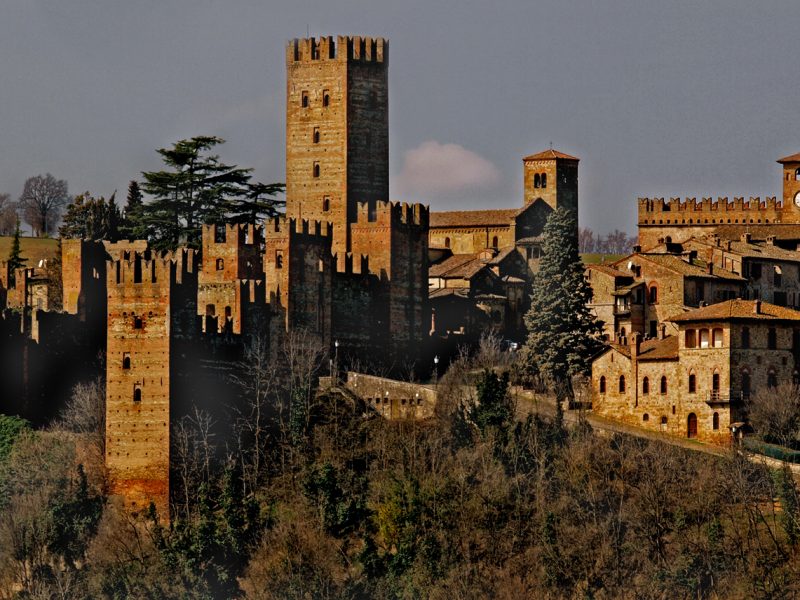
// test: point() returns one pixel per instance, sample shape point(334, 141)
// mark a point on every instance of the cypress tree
point(131, 226)
point(562, 332)
point(15, 260)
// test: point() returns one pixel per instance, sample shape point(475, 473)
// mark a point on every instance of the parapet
point(392, 213)
point(691, 208)
point(241, 234)
point(151, 268)
point(342, 49)
point(282, 227)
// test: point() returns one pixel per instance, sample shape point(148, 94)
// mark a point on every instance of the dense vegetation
point(314, 500)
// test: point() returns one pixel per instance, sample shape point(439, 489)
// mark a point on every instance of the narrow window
point(715, 383)
point(704, 338)
point(653, 295)
point(692, 383)
point(326, 203)
point(797, 174)
point(716, 337)
point(663, 384)
point(137, 394)
point(746, 337)
point(621, 384)
point(772, 338)
point(447, 242)
point(316, 169)
point(137, 271)
point(126, 360)
point(691, 338)
point(603, 384)
point(316, 135)
point(137, 323)
point(645, 386)
point(715, 422)
point(745, 384)
point(219, 233)
point(772, 379)
point(537, 182)
point(304, 99)
point(663, 420)
point(326, 98)
point(494, 242)
point(622, 332)
point(278, 259)
point(544, 180)
point(228, 312)
point(220, 264)
point(777, 276)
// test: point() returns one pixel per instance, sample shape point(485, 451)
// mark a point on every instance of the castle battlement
point(151, 268)
point(342, 49)
point(657, 205)
point(281, 227)
point(392, 213)
point(243, 234)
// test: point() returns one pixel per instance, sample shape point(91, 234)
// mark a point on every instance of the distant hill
point(34, 249)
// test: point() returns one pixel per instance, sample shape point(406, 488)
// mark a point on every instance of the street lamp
point(436, 370)
point(336, 359)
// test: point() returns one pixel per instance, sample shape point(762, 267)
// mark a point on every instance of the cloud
point(434, 168)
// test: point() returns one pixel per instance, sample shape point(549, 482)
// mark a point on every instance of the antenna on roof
point(551, 145)
point(307, 30)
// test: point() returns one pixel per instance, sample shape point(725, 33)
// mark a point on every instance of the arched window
point(663, 420)
point(653, 294)
point(326, 98)
point(622, 384)
point(326, 204)
point(645, 417)
point(797, 174)
point(447, 242)
point(315, 137)
point(544, 180)
point(704, 338)
point(494, 242)
point(137, 394)
point(715, 422)
point(278, 259)
point(716, 337)
point(715, 383)
point(537, 182)
point(304, 99)
point(746, 384)
point(622, 332)
point(692, 383)
point(772, 379)
point(126, 360)
point(220, 264)
point(691, 338)
point(603, 384)
point(772, 338)
point(663, 384)
point(746, 337)
point(316, 169)
point(645, 386)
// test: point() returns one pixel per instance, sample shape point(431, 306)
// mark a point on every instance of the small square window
point(138, 323)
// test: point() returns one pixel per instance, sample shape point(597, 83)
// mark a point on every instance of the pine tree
point(15, 260)
point(131, 226)
point(562, 332)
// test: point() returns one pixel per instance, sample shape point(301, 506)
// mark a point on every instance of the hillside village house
point(693, 384)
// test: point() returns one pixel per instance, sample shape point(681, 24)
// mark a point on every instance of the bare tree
point(586, 240)
point(85, 412)
point(775, 414)
point(8, 215)
point(41, 202)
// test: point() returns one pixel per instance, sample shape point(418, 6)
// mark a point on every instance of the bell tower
point(791, 181)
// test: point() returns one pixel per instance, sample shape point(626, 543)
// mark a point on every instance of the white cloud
point(434, 168)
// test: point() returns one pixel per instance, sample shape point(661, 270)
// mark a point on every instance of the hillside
point(34, 249)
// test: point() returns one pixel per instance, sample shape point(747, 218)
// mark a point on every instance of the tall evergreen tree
point(131, 226)
point(90, 218)
point(562, 332)
point(15, 259)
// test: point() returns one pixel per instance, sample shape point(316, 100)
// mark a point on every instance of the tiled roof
point(449, 292)
point(665, 349)
point(788, 159)
point(458, 266)
point(782, 231)
point(608, 269)
point(550, 154)
point(501, 255)
point(740, 310)
point(473, 218)
point(696, 268)
point(763, 251)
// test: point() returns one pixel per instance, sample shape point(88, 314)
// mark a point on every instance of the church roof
point(473, 218)
point(739, 310)
point(550, 155)
point(789, 159)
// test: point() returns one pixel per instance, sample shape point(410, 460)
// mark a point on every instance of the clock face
point(797, 199)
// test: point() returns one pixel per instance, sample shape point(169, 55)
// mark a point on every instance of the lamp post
point(336, 359)
point(436, 370)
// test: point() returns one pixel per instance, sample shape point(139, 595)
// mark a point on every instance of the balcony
point(622, 309)
point(725, 397)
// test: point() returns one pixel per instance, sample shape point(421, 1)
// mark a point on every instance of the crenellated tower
point(337, 129)
point(152, 307)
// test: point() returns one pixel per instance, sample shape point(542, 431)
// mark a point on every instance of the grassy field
point(594, 259)
point(34, 249)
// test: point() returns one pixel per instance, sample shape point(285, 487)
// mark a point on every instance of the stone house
point(693, 384)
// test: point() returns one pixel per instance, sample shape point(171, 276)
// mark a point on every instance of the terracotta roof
point(608, 269)
point(764, 251)
point(503, 254)
point(458, 266)
point(449, 292)
point(473, 218)
point(666, 349)
point(782, 231)
point(697, 268)
point(550, 154)
point(790, 158)
point(740, 310)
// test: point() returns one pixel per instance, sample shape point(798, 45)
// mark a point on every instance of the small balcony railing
point(725, 397)
point(624, 309)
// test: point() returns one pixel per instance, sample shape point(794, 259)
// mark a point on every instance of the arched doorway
point(691, 426)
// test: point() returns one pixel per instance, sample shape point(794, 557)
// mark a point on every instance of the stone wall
point(393, 399)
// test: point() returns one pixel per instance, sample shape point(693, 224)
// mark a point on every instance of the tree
point(90, 218)
point(41, 202)
point(8, 215)
point(562, 332)
point(195, 188)
point(131, 225)
point(259, 203)
point(15, 260)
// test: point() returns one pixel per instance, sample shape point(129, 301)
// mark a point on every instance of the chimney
point(662, 332)
point(757, 307)
point(636, 345)
point(692, 255)
point(637, 249)
point(746, 238)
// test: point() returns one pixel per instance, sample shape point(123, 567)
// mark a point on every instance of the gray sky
point(657, 97)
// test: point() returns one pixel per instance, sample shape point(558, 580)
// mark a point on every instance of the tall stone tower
point(552, 176)
point(337, 130)
point(791, 181)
